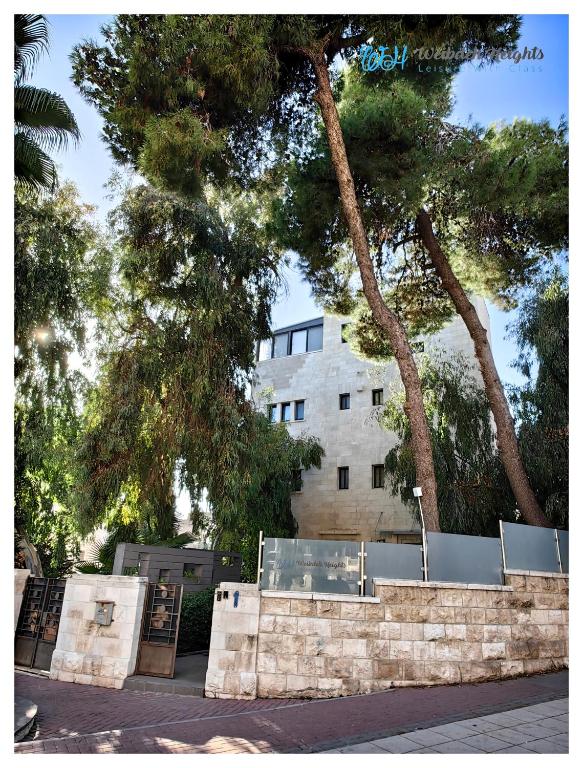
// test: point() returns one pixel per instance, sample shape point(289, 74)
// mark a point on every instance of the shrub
point(196, 617)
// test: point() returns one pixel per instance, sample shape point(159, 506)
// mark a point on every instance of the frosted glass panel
point(298, 342)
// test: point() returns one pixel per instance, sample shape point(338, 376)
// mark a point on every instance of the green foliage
point(43, 122)
point(61, 269)
point(473, 492)
point(196, 616)
point(542, 405)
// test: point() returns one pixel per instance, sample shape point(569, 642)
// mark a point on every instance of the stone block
point(477, 616)
point(91, 665)
point(276, 605)
point(449, 650)
point(248, 685)
point(412, 670)
point(214, 681)
point(232, 683)
point(72, 663)
point(83, 679)
point(387, 670)
point(451, 597)
point(275, 644)
point(515, 580)
point(476, 671)
point(463, 615)
point(314, 626)
point(493, 651)
point(389, 630)
point(352, 611)
point(304, 684)
point(311, 665)
point(240, 642)
point(362, 669)
point(496, 633)
point(423, 650)
point(321, 646)
point(376, 612)
point(442, 672)
point(266, 623)
point(303, 608)
point(327, 609)
point(474, 633)
point(511, 668)
point(379, 649)
point(331, 685)
point(401, 649)
point(287, 664)
point(266, 662)
point(433, 631)
point(418, 613)
point(455, 631)
point(522, 649)
point(69, 677)
point(471, 651)
point(552, 649)
point(338, 667)
point(545, 599)
point(288, 625)
point(398, 613)
point(555, 617)
point(354, 648)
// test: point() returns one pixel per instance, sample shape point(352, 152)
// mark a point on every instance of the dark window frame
point(343, 478)
point(303, 404)
point(283, 406)
point(380, 396)
point(343, 338)
point(297, 481)
point(272, 413)
point(344, 401)
point(288, 332)
point(375, 469)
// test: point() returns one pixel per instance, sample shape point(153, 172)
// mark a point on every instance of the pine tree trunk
point(505, 434)
point(420, 436)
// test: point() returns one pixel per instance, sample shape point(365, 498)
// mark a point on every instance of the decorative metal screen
point(160, 622)
point(564, 550)
point(528, 548)
point(392, 561)
point(38, 623)
point(309, 565)
point(465, 559)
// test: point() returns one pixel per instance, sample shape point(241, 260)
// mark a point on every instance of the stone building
point(307, 377)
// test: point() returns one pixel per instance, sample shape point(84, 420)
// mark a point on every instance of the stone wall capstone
point(90, 653)
point(411, 633)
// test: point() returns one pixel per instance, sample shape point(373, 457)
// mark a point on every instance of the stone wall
point(87, 652)
point(20, 578)
point(411, 633)
point(231, 669)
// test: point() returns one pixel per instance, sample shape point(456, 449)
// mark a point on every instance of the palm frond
point(31, 39)
point(45, 116)
point(33, 168)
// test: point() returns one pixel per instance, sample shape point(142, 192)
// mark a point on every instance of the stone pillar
point(231, 672)
point(90, 653)
point(20, 578)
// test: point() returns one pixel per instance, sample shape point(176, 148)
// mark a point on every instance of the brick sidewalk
point(84, 719)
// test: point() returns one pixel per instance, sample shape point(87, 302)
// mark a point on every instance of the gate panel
point(159, 635)
point(38, 623)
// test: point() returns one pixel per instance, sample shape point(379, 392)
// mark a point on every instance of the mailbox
point(104, 612)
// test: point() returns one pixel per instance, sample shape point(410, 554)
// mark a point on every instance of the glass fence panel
point(309, 565)
point(564, 550)
point(528, 548)
point(465, 559)
point(392, 561)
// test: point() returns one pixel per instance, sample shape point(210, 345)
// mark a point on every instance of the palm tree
point(42, 120)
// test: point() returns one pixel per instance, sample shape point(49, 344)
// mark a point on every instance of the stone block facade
point(410, 633)
point(351, 438)
point(90, 653)
point(20, 578)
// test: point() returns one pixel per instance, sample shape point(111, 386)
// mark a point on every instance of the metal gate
point(159, 635)
point(38, 623)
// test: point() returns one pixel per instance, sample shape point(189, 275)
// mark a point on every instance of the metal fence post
point(558, 551)
point(260, 559)
point(502, 545)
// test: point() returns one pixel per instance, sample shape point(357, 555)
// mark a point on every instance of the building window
point(377, 397)
point(296, 481)
point(272, 413)
point(164, 576)
point(345, 401)
point(280, 343)
point(343, 478)
point(192, 572)
point(227, 561)
point(285, 411)
point(343, 335)
point(378, 476)
point(265, 348)
point(299, 414)
point(315, 338)
point(299, 342)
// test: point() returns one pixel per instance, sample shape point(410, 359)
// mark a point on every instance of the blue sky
point(502, 92)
